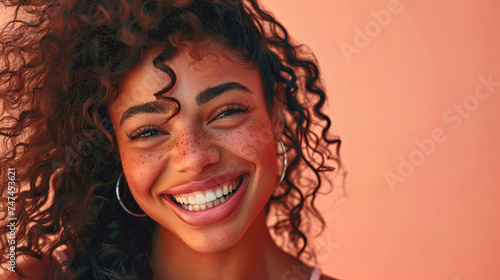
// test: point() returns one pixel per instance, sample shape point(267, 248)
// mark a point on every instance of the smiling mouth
point(199, 201)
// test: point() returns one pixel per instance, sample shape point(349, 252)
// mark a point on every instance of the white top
point(315, 274)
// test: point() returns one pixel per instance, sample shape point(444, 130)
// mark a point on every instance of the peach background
point(443, 221)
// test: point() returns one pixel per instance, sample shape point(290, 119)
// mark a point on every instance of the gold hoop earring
point(284, 161)
point(120, 200)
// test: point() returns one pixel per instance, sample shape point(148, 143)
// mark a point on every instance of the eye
point(144, 133)
point(229, 111)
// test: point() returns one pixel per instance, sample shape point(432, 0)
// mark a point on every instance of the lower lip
point(214, 214)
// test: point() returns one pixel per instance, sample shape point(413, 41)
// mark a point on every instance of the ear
point(278, 120)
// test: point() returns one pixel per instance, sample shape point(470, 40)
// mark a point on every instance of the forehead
point(201, 63)
point(203, 57)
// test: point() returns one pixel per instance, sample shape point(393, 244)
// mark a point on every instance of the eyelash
point(142, 132)
point(230, 110)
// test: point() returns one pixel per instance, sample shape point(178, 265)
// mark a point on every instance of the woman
point(203, 110)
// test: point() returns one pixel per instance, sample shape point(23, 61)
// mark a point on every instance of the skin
point(198, 142)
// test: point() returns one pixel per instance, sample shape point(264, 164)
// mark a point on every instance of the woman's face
point(181, 169)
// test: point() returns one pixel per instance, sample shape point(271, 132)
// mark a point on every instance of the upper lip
point(202, 184)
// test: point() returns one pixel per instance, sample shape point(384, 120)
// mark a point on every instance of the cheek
point(141, 168)
point(259, 140)
point(253, 142)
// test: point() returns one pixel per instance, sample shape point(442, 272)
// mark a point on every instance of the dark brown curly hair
point(60, 65)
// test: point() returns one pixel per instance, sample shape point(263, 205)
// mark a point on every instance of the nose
point(193, 150)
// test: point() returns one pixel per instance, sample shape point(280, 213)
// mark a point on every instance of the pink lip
point(203, 184)
point(212, 215)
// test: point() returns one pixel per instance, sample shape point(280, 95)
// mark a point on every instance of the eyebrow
point(212, 92)
point(154, 107)
point(202, 97)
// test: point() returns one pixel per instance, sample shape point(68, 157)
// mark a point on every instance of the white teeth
point(218, 192)
point(200, 198)
point(210, 196)
point(191, 200)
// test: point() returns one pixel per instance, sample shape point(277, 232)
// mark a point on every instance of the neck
point(254, 256)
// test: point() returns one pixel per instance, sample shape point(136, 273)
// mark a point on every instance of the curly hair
point(61, 62)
